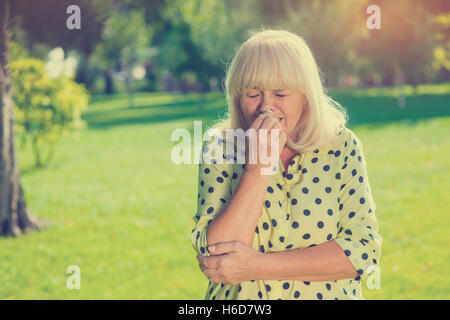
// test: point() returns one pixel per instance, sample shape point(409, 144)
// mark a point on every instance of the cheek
point(293, 118)
point(248, 110)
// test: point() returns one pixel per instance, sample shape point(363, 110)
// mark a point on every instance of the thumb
point(223, 247)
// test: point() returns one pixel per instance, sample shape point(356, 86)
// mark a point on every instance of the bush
point(45, 108)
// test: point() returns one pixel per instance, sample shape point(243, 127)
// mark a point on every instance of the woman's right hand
point(263, 144)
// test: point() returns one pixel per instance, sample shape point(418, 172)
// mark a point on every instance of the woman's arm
point(238, 221)
point(234, 262)
point(324, 262)
point(222, 216)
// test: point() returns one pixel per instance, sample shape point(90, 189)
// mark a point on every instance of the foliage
point(125, 44)
point(203, 38)
point(45, 108)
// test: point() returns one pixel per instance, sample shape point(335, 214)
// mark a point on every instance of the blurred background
point(98, 91)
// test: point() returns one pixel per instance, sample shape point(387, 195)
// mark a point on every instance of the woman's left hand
point(230, 262)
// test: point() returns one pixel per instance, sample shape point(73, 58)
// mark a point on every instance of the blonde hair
point(280, 59)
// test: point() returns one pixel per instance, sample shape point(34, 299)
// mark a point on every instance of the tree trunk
point(400, 83)
point(129, 87)
point(15, 218)
point(109, 89)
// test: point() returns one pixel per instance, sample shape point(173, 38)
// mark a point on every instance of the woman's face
point(286, 105)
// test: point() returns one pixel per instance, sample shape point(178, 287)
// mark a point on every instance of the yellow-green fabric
point(324, 195)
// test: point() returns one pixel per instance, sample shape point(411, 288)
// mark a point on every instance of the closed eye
point(278, 95)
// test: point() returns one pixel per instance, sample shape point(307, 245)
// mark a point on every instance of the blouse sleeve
point(214, 193)
point(358, 233)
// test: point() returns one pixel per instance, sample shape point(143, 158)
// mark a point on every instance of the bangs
point(267, 66)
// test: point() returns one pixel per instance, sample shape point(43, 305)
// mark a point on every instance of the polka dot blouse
point(324, 195)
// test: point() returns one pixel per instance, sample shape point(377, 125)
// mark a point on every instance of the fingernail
point(211, 248)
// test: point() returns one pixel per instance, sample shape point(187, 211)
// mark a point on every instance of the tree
point(402, 49)
point(330, 28)
point(15, 217)
point(44, 22)
point(202, 38)
point(125, 44)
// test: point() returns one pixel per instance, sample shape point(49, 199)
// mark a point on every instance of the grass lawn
point(117, 207)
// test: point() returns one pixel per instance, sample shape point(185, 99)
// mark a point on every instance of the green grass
point(117, 207)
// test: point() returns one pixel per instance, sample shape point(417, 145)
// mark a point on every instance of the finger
point(276, 125)
point(211, 262)
point(200, 260)
point(224, 247)
point(259, 120)
point(268, 122)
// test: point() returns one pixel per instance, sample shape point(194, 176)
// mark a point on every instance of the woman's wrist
point(258, 173)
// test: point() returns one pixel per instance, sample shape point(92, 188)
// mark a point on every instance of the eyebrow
point(272, 90)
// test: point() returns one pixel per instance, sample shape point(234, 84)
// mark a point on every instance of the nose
point(266, 104)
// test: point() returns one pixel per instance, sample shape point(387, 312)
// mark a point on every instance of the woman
point(307, 232)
